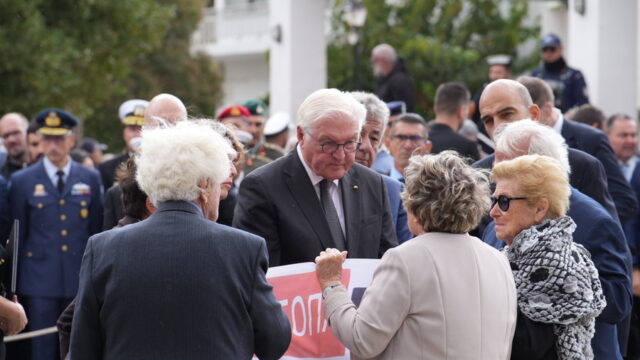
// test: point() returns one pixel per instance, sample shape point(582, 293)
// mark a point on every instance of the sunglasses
point(504, 201)
point(549, 49)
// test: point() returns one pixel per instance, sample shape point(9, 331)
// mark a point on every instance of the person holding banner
point(441, 295)
point(178, 285)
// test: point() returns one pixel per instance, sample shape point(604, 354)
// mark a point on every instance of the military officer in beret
point(59, 205)
point(131, 114)
point(235, 115)
point(259, 113)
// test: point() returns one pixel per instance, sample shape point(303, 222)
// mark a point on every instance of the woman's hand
point(329, 267)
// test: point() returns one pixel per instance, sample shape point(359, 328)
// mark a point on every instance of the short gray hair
point(528, 137)
point(386, 52)
point(444, 193)
point(173, 160)
point(376, 108)
point(330, 103)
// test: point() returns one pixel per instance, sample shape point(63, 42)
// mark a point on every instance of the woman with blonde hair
point(559, 292)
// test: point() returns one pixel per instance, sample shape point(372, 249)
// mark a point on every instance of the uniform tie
point(331, 215)
point(60, 185)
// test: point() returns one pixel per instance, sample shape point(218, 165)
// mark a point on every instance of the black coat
point(397, 86)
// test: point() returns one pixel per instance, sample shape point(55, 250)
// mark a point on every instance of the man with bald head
point(583, 137)
point(394, 84)
point(505, 101)
point(164, 108)
point(13, 129)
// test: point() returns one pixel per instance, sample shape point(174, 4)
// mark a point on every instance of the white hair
point(386, 52)
point(376, 109)
point(173, 161)
point(528, 137)
point(330, 103)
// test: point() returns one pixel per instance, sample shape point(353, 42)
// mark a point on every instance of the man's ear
point(534, 110)
point(541, 210)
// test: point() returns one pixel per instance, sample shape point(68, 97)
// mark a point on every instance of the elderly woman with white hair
point(441, 295)
point(178, 285)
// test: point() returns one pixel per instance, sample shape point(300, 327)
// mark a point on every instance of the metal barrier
point(31, 334)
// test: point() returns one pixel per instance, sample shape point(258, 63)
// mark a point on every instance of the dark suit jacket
point(398, 213)
point(632, 227)
point(108, 168)
point(602, 235)
point(278, 202)
point(587, 175)
point(177, 286)
point(444, 138)
point(594, 142)
point(113, 207)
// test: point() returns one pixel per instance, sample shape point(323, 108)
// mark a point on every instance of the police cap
point(55, 122)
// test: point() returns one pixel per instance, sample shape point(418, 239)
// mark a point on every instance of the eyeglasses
point(412, 138)
point(331, 147)
point(503, 201)
point(549, 49)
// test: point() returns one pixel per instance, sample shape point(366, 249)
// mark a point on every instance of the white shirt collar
point(558, 125)
point(51, 169)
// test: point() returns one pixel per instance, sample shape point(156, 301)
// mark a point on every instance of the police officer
point(568, 84)
point(59, 205)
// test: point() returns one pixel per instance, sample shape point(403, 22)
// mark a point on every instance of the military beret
point(276, 124)
point(397, 107)
point(232, 111)
point(256, 107)
point(55, 122)
point(132, 112)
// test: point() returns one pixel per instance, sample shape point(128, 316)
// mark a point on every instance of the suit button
point(61, 201)
point(83, 203)
point(63, 232)
point(29, 254)
point(65, 248)
point(63, 217)
point(40, 205)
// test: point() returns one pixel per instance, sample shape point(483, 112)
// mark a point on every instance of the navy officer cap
point(55, 122)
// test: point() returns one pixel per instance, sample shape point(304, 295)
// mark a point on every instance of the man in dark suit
point(59, 205)
point(178, 285)
point(371, 140)
point(316, 197)
point(451, 105)
point(505, 101)
point(596, 230)
point(586, 138)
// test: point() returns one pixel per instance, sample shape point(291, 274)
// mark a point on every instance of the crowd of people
point(506, 226)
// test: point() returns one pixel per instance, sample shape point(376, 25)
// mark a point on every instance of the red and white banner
point(297, 289)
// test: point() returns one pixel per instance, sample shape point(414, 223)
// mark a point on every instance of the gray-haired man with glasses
point(315, 197)
point(409, 135)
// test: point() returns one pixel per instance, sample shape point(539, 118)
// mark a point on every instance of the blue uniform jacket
point(632, 227)
point(599, 233)
point(568, 85)
point(398, 213)
point(54, 228)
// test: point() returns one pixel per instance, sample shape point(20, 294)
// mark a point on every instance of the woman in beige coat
point(441, 295)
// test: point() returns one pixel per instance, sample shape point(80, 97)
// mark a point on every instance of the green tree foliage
point(88, 56)
point(439, 40)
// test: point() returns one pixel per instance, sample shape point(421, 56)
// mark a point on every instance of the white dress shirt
point(52, 170)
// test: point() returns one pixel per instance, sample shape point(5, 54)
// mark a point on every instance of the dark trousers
point(43, 312)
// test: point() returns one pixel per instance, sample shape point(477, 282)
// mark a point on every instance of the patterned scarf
point(558, 284)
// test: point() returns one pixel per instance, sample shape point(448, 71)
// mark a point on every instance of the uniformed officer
point(259, 113)
point(59, 205)
point(276, 134)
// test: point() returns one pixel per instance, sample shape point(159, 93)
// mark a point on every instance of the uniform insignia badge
point(84, 213)
point(81, 189)
point(52, 120)
point(138, 111)
point(235, 111)
point(39, 190)
point(259, 109)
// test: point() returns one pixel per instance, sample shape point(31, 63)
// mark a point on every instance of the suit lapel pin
point(355, 187)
